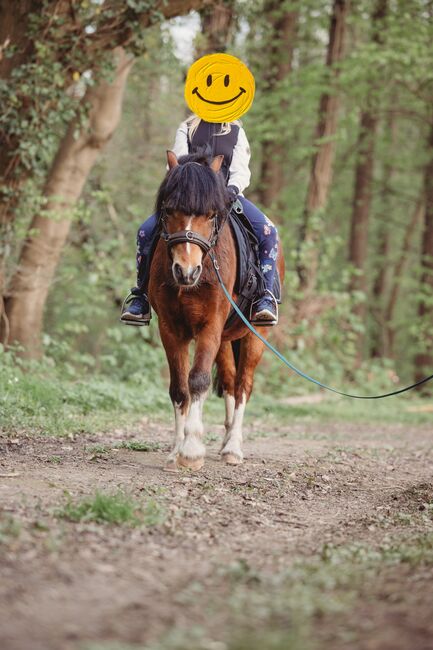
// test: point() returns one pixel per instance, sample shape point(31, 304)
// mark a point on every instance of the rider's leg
point(136, 308)
point(265, 308)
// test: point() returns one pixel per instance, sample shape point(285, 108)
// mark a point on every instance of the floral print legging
point(263, 227)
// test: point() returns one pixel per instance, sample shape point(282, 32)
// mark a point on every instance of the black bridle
point(190, 236)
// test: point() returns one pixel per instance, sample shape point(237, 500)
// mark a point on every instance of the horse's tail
point(217, 385)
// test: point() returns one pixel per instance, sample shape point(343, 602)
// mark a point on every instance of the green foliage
point(138, 445)
point(118, 509)
point(48, 398)
point(82, 333)
point(10, 529)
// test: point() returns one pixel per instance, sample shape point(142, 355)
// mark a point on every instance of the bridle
point(190, 236)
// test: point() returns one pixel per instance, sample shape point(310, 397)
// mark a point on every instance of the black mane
point(193, 189)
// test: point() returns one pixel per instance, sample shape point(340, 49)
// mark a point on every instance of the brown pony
point(184, 291)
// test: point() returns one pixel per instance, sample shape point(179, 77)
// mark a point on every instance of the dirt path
point(73, 586)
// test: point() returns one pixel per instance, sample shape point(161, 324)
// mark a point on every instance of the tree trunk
point(42, 249)
point(381, 282)
point(279, 57)
point(112, 28)
point(388, 327)
point(323, 160)
point(13, 38)
point(216, 25)
point(424, 360)
point(358, 241)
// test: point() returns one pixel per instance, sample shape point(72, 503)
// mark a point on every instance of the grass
point(131, 445)
point(117, 509)
point(43, 399)
point(401, 410)
point(98, 450)
point(54, 460)
point(137, 445)
point(9, 529)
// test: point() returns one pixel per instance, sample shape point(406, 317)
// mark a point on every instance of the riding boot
point(136, 309)
point(264, 310)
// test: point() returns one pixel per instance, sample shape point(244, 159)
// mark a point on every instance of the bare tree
point(424, 360)
point(358, 240)
point(49, 230)
point(15, 48)
point(278, 55)
point(322, 165)
point(381, 281)
point(25, 299)
point(387, 329)
point(217, 21)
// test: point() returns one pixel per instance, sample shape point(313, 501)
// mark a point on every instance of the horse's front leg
point(178, 361)
point(226, 377)
point(192, 450)
point(250, 355)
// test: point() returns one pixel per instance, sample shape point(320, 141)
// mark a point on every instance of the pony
point(192, 204)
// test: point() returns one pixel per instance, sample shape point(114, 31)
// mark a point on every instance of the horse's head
point(192, 203)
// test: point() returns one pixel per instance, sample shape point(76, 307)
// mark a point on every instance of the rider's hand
point(233, 193)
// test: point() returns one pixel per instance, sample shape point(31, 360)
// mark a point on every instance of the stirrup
point(139, 322)
point(264, 322)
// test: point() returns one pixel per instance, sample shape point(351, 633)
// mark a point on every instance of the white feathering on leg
point(234, 436)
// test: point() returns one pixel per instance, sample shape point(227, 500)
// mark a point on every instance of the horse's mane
point(193, 189)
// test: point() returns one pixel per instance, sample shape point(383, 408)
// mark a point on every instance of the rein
point(290, 365)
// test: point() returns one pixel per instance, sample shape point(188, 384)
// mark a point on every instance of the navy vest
point(205, 135)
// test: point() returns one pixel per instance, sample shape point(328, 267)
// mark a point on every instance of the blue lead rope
point(290, 365)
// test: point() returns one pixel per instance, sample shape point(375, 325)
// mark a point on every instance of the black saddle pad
point(249, 277)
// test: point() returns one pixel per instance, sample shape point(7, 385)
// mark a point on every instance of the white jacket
point(239, 173)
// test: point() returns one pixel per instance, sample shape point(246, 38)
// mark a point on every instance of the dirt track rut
point(66, 584)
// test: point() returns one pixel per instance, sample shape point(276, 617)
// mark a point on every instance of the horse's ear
point(171, 159)
point(216, 163)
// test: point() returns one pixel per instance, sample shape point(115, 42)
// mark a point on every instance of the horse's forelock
point(193, 188)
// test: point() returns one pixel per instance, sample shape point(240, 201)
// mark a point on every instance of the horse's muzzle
point(186, 277)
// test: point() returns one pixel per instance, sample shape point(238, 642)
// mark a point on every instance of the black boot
point(136, 309)
point(264, 310)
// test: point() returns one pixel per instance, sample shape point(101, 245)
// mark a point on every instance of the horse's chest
point(189, 313)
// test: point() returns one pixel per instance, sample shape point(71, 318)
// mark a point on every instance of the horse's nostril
point(178, 271)
point(196, 272)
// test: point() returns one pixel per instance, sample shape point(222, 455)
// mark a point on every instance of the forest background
point(341, 133)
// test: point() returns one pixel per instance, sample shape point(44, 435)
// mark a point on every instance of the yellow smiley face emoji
point(219, 88)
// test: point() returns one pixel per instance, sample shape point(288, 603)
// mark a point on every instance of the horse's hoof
point(232, 459)
point(171, 466)
point(190, 463)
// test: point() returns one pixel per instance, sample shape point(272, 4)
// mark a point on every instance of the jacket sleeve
point(180, 146)
point(239, 173)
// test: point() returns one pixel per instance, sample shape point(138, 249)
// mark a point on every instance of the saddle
point(249, 283)
point(249, 277)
